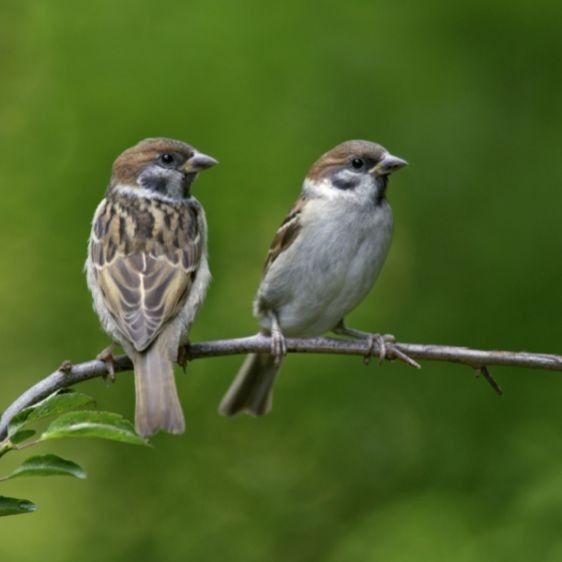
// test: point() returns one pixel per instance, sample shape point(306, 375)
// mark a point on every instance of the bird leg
point(106, 355)
point(382, 342)
point(278, 345)
point(183, 354)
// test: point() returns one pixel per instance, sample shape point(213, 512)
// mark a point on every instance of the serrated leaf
point(93, 423)
point(14, 506)
point(55, 404)
point(22, 435)
point(48, 465)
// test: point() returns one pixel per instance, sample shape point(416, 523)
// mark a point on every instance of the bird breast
point(329, 268)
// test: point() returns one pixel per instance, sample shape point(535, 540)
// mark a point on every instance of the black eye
point(357, 163)
point(166, 158)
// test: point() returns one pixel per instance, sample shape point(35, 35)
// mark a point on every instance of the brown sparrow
point(322, 262)
point(147, 268)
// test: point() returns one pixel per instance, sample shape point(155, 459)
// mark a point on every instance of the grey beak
point(388, 165)
point(198, 162)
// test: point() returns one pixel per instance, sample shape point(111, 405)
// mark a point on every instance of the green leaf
point(92, 423)
point(48, 465)
point(53, 405)
point(22, 435)
point(13, 506)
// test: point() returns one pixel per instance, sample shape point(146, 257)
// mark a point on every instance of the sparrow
point(147, 268)
point(322, 262)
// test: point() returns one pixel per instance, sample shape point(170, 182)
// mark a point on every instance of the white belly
point(328, 270)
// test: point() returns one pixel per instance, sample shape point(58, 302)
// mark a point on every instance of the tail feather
point(157, 402)
point(251, 390)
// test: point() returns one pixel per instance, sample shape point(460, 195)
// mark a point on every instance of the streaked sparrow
point(147, 268)
point(322, 262)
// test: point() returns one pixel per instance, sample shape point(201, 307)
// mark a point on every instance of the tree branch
point(68, 374)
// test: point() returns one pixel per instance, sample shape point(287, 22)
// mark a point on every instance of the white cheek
point(364, 190)
point(322, 189)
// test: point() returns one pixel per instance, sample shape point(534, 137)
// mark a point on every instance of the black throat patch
point(382, 184)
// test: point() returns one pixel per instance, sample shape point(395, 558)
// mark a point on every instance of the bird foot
point(386, 350)
point(384, 344)
point(278, 343)
point(183, 355)
point(379, 342)
point(106, 355)
point(278, 346)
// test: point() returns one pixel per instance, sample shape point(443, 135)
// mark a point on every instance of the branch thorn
point(65, 367)
point(483, 370)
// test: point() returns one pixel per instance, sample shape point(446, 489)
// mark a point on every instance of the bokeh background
point(355, 463)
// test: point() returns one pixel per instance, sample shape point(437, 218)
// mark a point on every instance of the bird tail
point(157, 402)
point(251, 390)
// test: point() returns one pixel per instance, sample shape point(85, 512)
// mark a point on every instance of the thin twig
point(474, 358)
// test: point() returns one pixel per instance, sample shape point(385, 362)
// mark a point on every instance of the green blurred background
point(355, 463)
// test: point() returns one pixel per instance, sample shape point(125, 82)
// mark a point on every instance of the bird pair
point(148, 273)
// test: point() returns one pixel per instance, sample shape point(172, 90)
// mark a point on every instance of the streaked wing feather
point(147, 286)
point(286, 234)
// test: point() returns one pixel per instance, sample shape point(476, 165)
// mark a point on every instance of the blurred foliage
point(354, 463)
point(70, 421)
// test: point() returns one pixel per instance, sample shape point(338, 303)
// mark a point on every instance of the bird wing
point(286, 234)
point(145, 263)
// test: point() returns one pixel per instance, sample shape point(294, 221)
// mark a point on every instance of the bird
point(147, 269)
point(322, 262)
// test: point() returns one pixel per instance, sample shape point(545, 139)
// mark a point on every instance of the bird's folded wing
point(286, 234)
point(146, 286)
